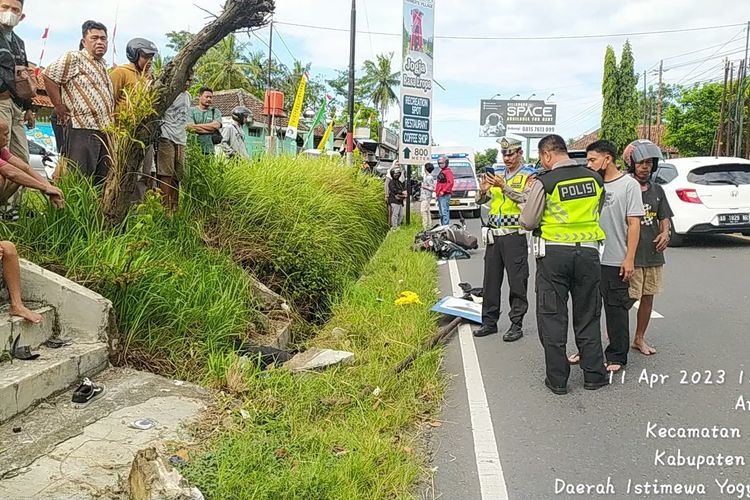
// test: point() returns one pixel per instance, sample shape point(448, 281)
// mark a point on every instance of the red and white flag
point(45, 35)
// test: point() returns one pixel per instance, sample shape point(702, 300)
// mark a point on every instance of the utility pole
point(747, 141)
point(729, 118)
point(743, 86)
point(350, 125)
point(738, 111)
point(720, 142)
point(268, 87)
point(659, 104)
point(645, 101)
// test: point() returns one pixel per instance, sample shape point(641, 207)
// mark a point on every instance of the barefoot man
point(19, 172)
point(649, 257)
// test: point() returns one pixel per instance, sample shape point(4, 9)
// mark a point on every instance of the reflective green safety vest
point(505, 212)
point(571, 212)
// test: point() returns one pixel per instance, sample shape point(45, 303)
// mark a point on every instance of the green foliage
point(486, 158)
point(178, 39)
point(670, 95)
point(176, 300)
point(226, 66)
point(620, 113)
point(627, 99)
point(609, 95)
point(330, 435)
point(305, 226)
point(693, 121)
point(380, 81)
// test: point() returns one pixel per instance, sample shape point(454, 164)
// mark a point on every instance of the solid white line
point(654, 314)
point(490, 471)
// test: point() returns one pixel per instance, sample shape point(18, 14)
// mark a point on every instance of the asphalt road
point(546, 442)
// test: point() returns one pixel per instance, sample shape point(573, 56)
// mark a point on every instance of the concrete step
point(31, 334)
point(24, 383)
point(59, 452)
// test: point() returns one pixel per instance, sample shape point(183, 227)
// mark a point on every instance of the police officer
point(506, 247)
point(563, 208)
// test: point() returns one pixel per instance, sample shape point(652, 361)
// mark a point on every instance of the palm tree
point(380, 81)
point(226, 66)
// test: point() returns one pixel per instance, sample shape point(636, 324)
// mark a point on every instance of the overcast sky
point(469, 70)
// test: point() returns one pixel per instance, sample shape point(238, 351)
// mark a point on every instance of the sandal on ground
point(620, 366)
point(574, 359)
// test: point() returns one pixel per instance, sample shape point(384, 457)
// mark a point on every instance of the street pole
point(350, 125)
point(659, 104)
point(747, 141)
point(268, 87)
point(528, 149)
point(645, 101)
point(739, 112)
point(729, 118)
point(720, 142)
point(743, 86)
point(408, 194)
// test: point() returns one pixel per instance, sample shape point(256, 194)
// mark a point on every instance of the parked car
point(708, 195)
point(41, 160)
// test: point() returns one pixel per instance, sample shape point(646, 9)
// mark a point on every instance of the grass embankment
point(306, 226)
point(347, 432)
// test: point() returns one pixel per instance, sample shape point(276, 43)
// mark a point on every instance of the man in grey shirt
point(170, 156)
point(621, 221)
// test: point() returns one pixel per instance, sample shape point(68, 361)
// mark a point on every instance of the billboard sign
point(526, 118)
point(416, 81)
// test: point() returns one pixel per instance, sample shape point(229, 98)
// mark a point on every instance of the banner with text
point(416, 82)
point(528, 118)
point(291, 131)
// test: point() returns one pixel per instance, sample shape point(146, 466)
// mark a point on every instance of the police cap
point(509, 145)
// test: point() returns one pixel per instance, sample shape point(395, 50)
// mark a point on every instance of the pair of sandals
point(23, 352)
point(575, 359)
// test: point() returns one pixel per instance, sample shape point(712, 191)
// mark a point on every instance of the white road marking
point(654, 314)
point(490, 471)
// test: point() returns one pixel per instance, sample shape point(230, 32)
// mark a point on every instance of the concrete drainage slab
point(67, 453)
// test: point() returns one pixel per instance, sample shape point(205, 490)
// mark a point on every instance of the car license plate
point(734, 219)
point(455, 202)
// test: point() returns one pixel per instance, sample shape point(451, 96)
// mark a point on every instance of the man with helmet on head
point(140, 52)
point(233, 136)
point(507, 251)
point(444, 190)
point(642, 159)
point(396, 196)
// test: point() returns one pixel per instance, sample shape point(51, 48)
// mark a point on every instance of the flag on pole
point(323, 146)
point(45, 35)
point(310, 136)
point(114, 35)
point(291, 131)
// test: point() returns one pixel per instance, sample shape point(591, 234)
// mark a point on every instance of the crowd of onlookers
point(89, 100)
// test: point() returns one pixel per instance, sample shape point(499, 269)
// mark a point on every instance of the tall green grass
point(181, 285)
point(176, 300)
point(332, 435)
point(306, 227)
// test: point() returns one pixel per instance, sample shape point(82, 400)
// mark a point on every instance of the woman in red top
point(443, 190)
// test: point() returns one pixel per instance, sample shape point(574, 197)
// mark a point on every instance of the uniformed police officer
point(506, 248)
point(563, 208)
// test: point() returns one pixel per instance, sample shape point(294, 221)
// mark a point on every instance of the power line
point(554, 37)
point(286, 46)
point(712, 55)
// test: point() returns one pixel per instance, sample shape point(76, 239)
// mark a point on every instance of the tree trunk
point(236, 15)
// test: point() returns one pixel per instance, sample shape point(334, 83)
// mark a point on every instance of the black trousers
point(617, 304)
point(576, 271)
point(508, 254)
point(87, 152)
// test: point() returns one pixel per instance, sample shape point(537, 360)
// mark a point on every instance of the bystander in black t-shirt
point(657, 208)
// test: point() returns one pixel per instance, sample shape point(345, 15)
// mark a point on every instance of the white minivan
point(465, 185)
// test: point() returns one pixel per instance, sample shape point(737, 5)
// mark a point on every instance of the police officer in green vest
point(506, 245)
point(563, 209)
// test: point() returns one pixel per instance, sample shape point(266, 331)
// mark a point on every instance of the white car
point(41, 160)
point(708, 195)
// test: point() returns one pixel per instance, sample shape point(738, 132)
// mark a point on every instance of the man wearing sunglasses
point(507, 187)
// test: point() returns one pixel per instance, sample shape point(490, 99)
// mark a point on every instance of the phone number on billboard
point(531, 129)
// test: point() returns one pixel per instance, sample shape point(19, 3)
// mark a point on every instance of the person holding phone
point(506, 187)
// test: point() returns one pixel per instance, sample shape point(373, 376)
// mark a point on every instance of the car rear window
point(665, 173)
point(729, 174)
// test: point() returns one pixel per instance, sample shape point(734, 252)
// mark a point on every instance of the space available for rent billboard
point(496, 118)
point(416, 81)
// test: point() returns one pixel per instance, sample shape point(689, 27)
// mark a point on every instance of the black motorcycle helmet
point(138, 46)
point(242, 115)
